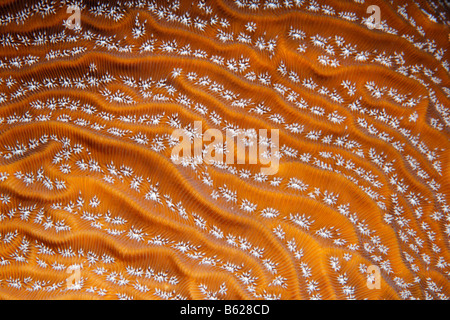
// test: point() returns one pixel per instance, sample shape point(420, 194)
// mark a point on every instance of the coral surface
point(95, 203)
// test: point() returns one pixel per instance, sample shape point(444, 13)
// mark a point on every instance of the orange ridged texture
point(87, 179)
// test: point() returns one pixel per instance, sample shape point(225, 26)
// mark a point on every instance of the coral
point(95, 204)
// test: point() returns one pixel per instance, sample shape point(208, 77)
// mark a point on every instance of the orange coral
point(93, 204)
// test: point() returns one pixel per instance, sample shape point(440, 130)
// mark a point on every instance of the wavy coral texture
point(92, 205)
